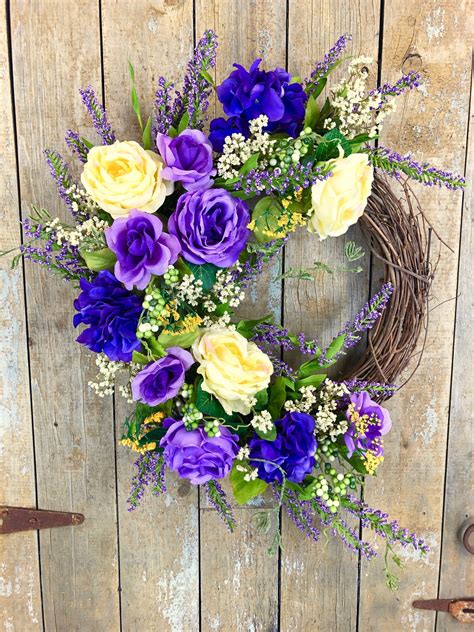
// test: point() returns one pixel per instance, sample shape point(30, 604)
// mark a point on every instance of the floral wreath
point(169, 232)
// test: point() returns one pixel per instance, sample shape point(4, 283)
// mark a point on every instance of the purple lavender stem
point(76, 145)
point(324, 67)
point(98, 115)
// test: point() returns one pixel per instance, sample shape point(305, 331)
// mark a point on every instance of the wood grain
point(457, 565)
point(325, 569)
point(159, 578)
point(433, 38)
point(20, 590)
point(235, 568)
point(56, 50)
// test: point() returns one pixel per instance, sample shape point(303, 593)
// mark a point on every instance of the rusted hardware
point(461, 609)
point(468, 535)
point(13, 519)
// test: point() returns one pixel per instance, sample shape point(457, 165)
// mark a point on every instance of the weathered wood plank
point(160, 568)
point(56, 50)
point(457, 574)
point(239, 581)
point(325, 571)
point(20, 590)
point(433, 38)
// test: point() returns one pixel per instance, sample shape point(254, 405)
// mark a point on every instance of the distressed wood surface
point(457, 574)
point(171, 565)
point(434, 39)
point(20, 591)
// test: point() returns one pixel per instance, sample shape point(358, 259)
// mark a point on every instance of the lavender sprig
point(64, 181)
point(324, 67)
point(395, 164)
point(379, 522)
point(407, 82)
point(77, 145)
point(150, 471)
point(296, 177)
point(363, 321)
point(376, 389)
point(301, 514)
point(98, 115)
point(197, 87)
point(217, 498)
point(164, 118)
point(260, 254)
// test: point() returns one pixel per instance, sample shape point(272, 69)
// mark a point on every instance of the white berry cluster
point(238, 149)
point(189, 290)
point(262, 421)
point(91, 230)
point(306, 403)
point(357, 111)
point(250, 473)
point(327, 423)
point(243, 454)
point(226, 290)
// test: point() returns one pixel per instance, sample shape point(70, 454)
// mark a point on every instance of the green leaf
point(335, 134)
point(184, 122)
point(140, 358)
point(209, 405)
point(277, 398)
point(205, 75)
point(249, 164)
point(246, 327)
point(155, 347)
point(312, 111)
point(335, 346)
point(172, 132)
point(180, 340)
point(319, 88)
point(311, 380)
point(146, 137)
point(99, 259)
point(309, 368)
point(245, 490)
point(134, 96)
point(87, 143)
point(327, 150)
point(270, 435)
point(206, 273)
point(265, 215)
point(262, 399)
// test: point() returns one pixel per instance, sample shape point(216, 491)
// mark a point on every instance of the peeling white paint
point(427, 425)
point(435, 24)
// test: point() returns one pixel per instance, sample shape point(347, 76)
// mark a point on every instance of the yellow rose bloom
point(124, 176)
point(339, 201)
point(233, 369)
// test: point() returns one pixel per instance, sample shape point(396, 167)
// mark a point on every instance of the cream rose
point(233, 369)
point(339, 201)
point(124, 176)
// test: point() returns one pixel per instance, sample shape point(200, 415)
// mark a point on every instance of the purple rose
point(161, 380)
point(195, 455)
point(367, 423)
point(292, 451)
point(246, 94)
point(211, 227)
point(142, 248)
point(188, 158)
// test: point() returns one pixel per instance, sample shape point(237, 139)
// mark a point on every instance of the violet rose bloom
point(292, 451)
point(211, 227)
point(161, 380)
point(196, 456)
point(142, 248)
point(188, 159)
point(367, 423)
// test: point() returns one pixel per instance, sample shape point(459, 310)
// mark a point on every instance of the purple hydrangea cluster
point(292, 452)
point(246, 94)
point(111, 314)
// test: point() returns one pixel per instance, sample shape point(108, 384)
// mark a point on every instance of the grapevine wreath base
point(168, 232)
point(398, 236)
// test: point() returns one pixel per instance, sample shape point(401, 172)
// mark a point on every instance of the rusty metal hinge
point(460, 609)
point(13, 519)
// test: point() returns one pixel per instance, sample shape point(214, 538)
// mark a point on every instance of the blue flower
point(292, 451)
point(112, 313)
point(246, 94)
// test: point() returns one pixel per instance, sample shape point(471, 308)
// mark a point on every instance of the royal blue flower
point(112, 313)
point(246, 94)
point(292, 451)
